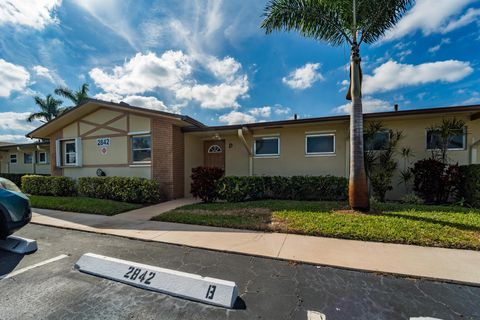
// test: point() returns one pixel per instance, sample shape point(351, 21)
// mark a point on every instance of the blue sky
point(210, 60)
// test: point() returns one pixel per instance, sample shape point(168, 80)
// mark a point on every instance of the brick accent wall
point(178, 162)
point(168, 157)
point(56, 171)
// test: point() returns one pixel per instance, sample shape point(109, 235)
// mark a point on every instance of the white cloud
point(369, 105)
point(438, 46)
point(470, 16)
point(135, 100)
point(144, 72)
point(173, 71)
point(12, 78)
point(30, 13)
point(225, 68)
point(393, 75)
point(15, 138)
point(303, 77)
point(16, 121)
point(146, 102)
point(113, 15)
point(474, 98)
point(236, 117)
point(48, 74)
point(220, 96)
point(282, 111)
point(431, 16)
point(42, 71)
point(263, 112)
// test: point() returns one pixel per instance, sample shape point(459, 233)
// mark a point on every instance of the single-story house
point(117, 139)
point(25, 158)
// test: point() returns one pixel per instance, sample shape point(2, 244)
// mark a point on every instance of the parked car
point(15, 211)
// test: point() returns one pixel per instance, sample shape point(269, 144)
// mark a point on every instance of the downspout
point(249, 150)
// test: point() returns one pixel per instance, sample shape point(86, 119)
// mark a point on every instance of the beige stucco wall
point(20, 166)
point(293, 161)
point(117, 152)
point(116, 162)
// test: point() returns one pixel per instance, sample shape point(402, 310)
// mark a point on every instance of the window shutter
point(78, 150)
point(58, 153)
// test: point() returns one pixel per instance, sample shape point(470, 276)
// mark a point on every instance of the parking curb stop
point(19, 245)
point(180, 284)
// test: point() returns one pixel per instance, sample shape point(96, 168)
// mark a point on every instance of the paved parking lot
point(269, 289)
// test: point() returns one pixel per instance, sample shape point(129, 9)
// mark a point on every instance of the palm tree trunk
point(358, 186)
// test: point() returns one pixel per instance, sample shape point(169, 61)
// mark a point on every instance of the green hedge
point(469, 186)
point(126, 189)
point(16, 177)
point(320, 188)
point(48, 186)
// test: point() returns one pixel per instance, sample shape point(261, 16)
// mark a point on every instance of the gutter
point(249, 150)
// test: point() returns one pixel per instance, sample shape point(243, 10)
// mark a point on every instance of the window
point(379, 141)
point(27, 158)
point(320, 143)
point(70, 155)
point(42, 157)
point(141, 148)
point(13, 158)
point(457, 141)
point(215, 149)
point(267, 146)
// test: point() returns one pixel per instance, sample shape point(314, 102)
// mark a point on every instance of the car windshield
point(8, 185)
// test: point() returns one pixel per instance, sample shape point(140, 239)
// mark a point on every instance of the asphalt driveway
point(269, 289)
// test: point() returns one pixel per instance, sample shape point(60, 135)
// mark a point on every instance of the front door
point(214, 153)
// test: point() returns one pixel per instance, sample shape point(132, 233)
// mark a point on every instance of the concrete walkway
point(148, 213)
point(462, 266)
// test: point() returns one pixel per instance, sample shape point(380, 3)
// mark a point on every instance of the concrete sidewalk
point(452, 265)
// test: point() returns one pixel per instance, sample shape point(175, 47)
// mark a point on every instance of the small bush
point(203, 182)
point(469, 185)
point(126, 189)
point(48, 186)
point(434, 181)
point(321, 188)
point(412, 198)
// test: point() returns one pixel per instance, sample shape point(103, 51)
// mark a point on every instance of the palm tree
point(49, 109)
point(75, 96)
point(340, 22)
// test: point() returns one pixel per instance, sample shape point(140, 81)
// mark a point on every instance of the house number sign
point(104, 142)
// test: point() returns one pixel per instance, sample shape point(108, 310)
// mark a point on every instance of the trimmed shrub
point(434, 181)
point(126, 189)
point(48, 185)
point(469, 185)
point(204, 182)
point(17, 177)
point(320, 188)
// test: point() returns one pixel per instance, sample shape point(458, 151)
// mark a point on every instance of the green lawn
point(442, 226)
point(82, 204)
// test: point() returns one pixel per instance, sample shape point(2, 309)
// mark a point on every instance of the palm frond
point(321, 20)
point(66, 93)
point(375, 17)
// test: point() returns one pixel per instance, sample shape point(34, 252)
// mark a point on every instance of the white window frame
point(448, 149)
point(211, 150)
point(42, 162)
point(313, 135)
point(10, 158)
point(269, 155)
point(33, 157)
point(132, 149)
point(69, 153)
